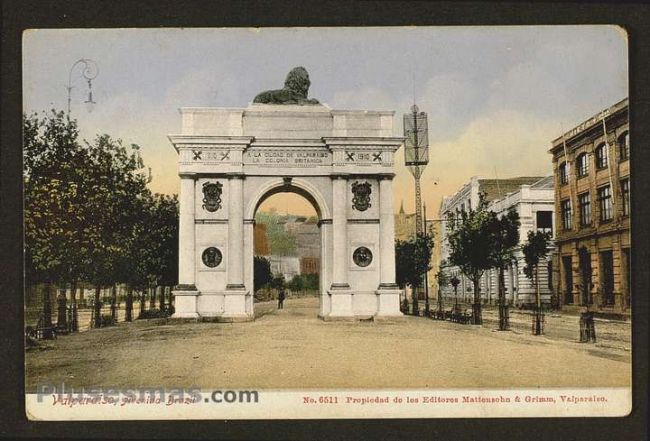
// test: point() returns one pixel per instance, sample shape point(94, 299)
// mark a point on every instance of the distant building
point(533, 199)
point(309, 265)
point(302, 231)
point(592, 205)
point(261, 241)
point(404, 225)
point(288, 266)
point(307, 234)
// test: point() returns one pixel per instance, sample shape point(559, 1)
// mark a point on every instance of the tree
point(53, 194)
point(262, 275)
point(443, 280)
point(471, 245)
point(310, 281)
point(278, 281)
point(505, 237)
point(89, 215)
point(296, 283)
point(534, 251)
point(412, 261)
point(117, 185)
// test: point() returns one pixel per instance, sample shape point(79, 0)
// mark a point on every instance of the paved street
point(292, 348)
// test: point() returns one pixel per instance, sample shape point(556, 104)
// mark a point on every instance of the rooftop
point(496, 188)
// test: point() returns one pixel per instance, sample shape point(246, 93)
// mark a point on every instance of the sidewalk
point(610, 334)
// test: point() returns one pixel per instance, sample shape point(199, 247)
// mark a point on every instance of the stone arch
point(296, 185)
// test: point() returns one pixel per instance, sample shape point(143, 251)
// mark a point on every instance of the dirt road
point(293, 349)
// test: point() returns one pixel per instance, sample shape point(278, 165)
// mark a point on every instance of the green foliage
point(505, 237)
point(261, 272)
point(278, 282)
point(281, 242)
point(443, 279)
point(88, 212)
point(301, 282)
point(471, 241)
point(296, 283)
point(504, 233)
point(412, 260)
point(535, 250)
point(53, 191)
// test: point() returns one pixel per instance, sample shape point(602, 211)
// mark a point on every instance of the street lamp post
point(89, 71)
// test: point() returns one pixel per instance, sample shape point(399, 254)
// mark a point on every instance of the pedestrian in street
point(281, 296)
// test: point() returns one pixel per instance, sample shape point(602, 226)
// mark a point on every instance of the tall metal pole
point(418, 195)
point(426, 273)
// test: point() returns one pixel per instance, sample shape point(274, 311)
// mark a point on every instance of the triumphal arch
point(232, 159)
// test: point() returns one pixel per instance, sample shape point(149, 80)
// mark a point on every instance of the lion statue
point(296, 86)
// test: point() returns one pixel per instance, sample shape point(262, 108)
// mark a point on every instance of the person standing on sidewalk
point(281, 297)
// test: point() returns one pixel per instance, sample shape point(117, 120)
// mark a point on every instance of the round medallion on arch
point(362, 257)
point(211, 257)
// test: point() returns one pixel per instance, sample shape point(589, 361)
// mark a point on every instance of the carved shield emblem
point(212, 196)
point(361, 192)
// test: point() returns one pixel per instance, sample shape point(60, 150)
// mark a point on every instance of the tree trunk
point(129, 304)
point(163, 295)
point(504, 320)
point(82, 299)
point(537, 328)
point(47, 311)
point(152, 297)
point(62, 311)
point(477, 318)
point(416, 306)
point(114, 303)
point(141, 302)
point(539, 297)
point(74, 325)
point(98, 307)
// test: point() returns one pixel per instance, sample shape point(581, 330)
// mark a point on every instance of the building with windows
point(533, 199)
point(592, 173)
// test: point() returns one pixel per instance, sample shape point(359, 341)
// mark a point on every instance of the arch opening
point(287, 248)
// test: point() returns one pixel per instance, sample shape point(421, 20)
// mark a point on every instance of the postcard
point(307, 223)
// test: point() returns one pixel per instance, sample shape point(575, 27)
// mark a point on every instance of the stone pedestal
point(388, 298)
point(236, 299)
point(185, 303)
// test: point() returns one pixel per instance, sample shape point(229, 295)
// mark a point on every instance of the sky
point(496, 96)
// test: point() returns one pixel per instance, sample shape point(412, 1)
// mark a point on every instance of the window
point(566, 214)
point(605, 203)
point(545, 221)
point(585, 209)
point(624, 146)
point(564, 173)
point(601, 156)
point(625, 196)
point(582, 165)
